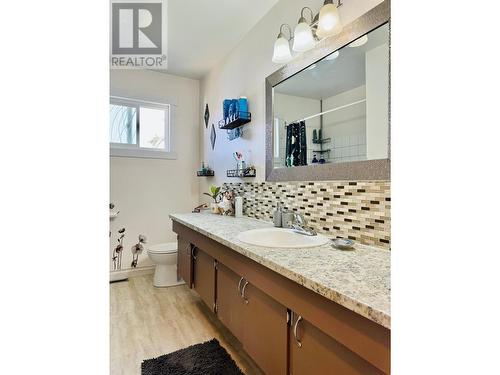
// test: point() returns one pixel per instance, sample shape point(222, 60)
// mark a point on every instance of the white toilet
point(164, 255)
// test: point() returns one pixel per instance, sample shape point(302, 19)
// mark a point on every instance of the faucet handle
point(299, 219)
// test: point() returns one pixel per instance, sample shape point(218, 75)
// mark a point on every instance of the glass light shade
point(282, 52)
point(333, 56)
point(359, 42)
point(329, 22)
point(303, 40)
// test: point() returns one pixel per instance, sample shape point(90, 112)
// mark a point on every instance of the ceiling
point(202, 32)
point(332, 77)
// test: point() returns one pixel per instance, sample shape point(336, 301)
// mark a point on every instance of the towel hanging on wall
point(296, 144)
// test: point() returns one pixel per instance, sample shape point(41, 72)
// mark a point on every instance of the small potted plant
point(215, 195)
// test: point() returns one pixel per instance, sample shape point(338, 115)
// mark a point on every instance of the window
point(139, 129)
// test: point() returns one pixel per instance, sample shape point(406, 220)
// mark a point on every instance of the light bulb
point(303, 40)
point(329, 22)
point(282, 52)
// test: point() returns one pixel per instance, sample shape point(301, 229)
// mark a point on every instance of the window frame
point(135, 150)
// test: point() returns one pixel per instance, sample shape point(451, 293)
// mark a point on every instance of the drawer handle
point(299, 343)
point(192, 252)
point(243, 292)
point(239, 285)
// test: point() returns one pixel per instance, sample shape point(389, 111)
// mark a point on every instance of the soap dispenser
point(277, 216)
point(238, 206)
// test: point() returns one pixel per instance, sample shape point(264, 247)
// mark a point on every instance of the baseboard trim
point(131, 272)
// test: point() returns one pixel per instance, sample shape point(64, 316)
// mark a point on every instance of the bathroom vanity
point(317, 310)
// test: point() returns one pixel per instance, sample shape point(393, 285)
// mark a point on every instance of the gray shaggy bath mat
point(208, 358)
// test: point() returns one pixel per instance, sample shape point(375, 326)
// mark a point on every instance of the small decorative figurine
point(226, 207)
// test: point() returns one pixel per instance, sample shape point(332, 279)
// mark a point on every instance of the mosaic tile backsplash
point(359, 210)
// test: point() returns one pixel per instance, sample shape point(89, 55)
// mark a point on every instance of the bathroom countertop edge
point(376, 307)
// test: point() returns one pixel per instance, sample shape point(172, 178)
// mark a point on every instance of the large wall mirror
point(330, 119)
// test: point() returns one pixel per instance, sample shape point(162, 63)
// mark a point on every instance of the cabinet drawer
point(314, 352)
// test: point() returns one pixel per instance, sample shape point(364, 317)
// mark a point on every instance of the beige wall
point(146, 191)
point(243, 73)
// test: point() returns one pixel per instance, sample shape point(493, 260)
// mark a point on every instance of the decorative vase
point(214, 207)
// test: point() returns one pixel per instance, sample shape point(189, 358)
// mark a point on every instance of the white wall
point(146, 191)
point(350, 120)
point(243, 73)
point(377, 99)
point(346, 127)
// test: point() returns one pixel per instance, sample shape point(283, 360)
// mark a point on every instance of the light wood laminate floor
point(147, 322)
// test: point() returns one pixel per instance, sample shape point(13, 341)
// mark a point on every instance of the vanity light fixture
point(332, 56)
point(304, 39)
point(306, 34)
point(359, 42)
point(282, 52)
point(329, 22)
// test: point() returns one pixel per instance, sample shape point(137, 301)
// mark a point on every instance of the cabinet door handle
point(192, 252)
point(299, 343)
point(243, 292)
point(239, 285)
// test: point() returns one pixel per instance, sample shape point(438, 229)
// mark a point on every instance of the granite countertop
point(358, 280)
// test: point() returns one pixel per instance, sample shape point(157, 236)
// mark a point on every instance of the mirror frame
point(377, 169)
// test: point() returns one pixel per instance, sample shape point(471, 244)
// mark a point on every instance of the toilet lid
point(164, 248)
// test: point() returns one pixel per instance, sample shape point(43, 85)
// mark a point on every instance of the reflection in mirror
point(336, 110)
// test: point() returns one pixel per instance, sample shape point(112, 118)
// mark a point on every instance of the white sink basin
point(280, 237)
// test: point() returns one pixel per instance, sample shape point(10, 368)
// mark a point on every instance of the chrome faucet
point(299, 226)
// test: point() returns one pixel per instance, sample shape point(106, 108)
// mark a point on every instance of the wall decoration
point(213, 136)
point(137, 250)
point(118, 251)
point(206, 116)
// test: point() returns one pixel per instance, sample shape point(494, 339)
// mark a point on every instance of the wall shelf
point(247, 172)
point(205, 174)
point(242, 119)
point(321, 141)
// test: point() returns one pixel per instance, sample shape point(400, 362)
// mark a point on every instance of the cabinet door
point(265, 331)
point(204, 277)
point(318, 353)
point(184, 264)
point(230, 307)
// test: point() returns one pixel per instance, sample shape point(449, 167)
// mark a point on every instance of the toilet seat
point(163, 248)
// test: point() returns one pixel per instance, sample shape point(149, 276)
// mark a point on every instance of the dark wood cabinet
point(265, 330)
point(184, 264)
point(252, 302)
point(255, 319)
point(230, 307)
point(204, 276)
point(314, 352)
